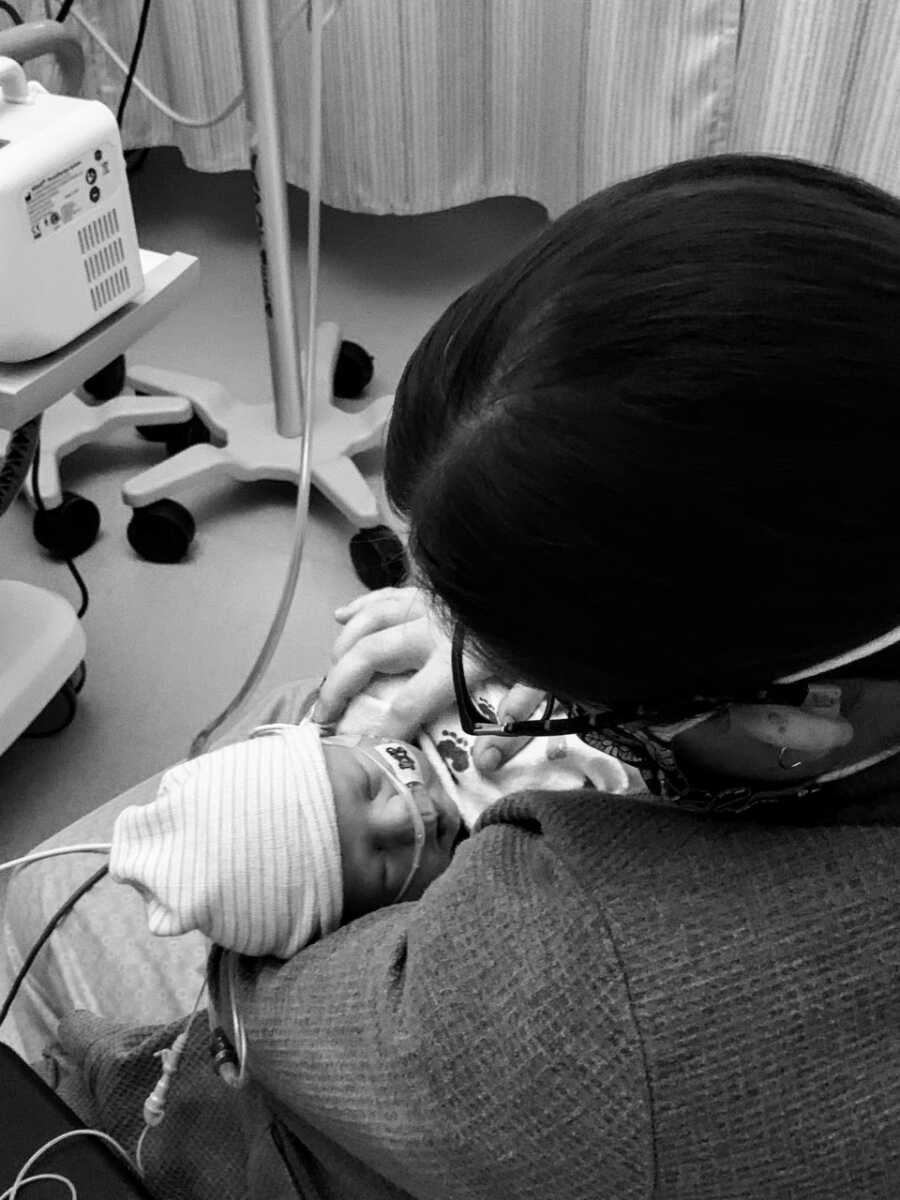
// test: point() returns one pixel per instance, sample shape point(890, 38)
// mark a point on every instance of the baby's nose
point(394, 821)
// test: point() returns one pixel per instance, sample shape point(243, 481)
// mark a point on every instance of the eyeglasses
point(600, 723)
point(476, 722)
point(637, 736)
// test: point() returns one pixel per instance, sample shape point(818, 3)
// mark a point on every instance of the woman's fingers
point(380, 596)
point(389, 651)
point(424, 696)
point(491, 753)
point(382, 609)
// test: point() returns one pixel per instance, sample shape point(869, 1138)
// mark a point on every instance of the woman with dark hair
point(648, 473)
point(648, 467)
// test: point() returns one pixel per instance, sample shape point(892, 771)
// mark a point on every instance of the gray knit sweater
point(599, 999)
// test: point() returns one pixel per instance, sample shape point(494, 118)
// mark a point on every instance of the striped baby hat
point(240, 844)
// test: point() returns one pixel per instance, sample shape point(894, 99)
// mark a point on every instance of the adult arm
point(476, 1043)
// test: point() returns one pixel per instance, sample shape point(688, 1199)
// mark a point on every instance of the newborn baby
point(268, 844)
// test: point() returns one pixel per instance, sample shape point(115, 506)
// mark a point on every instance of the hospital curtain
point(435, 103)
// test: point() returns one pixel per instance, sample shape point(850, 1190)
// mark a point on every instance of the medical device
point(30, 1113)
point(68, 246)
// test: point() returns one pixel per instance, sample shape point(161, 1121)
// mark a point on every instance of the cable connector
point(155, 1104)
point(225, 1060)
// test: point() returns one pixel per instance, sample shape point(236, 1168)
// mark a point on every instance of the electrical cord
point(55, 852)
point(23, 1178)
point(51, 925)
point(13, 14)
point(132, 66)
point(179, 118)
point(39, 504)
point(17, 459)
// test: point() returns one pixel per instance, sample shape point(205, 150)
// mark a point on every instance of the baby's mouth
point(448, 820)
point(438, 810)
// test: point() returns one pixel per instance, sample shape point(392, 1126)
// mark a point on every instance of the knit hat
point(240, 844)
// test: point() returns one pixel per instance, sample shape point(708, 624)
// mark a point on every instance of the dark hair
point(656, 453)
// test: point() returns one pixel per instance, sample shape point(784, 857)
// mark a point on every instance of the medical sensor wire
point(48, 929)
point(23, 1178)
point(54, 851)
point(132, 66)
point(11, 12)
point(41, 507)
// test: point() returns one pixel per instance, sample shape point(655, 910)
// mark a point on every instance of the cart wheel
point(378, 557)
point(109, 380)
point(68, 529)
point(177, 435)
point(155, 433)
point(161, 532)
point(353, 371)
point(56, 715)
point(76, 679)
point(188, 433)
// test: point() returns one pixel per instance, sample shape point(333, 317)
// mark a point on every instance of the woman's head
point(655, 453)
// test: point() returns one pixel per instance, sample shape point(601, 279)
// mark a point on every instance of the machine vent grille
point(104, 255)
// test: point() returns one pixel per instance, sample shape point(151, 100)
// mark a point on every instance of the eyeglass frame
point(580, 721)
point(475, 724)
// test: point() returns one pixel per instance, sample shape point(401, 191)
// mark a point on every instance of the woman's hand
point(392, 632)
point(389, 632)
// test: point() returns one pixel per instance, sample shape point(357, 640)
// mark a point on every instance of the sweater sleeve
point(478, 1042)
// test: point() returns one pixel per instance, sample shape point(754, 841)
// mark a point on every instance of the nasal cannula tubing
point(302, 510)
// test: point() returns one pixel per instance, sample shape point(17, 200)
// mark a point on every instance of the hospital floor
point(169, 645)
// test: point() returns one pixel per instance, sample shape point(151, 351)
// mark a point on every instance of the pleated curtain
point(434, 103)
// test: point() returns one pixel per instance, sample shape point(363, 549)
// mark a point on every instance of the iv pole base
point(245, 444)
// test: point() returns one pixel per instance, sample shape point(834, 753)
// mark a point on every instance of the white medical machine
point(68, 253)
point(68, 246)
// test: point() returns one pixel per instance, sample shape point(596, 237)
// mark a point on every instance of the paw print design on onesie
point(454, 750)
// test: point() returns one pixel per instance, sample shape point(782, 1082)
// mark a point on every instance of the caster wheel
point(176, 435)
point(69, 529)
point(55, 716)
point(108, 382)
point(352, 372)
point(189, 433)
point(161, 532)
point(378, 557)
point(76, 679)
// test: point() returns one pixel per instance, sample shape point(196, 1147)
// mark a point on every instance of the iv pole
point(244, 441)
point(292, 418)
point(249, 445)
point(270, 196)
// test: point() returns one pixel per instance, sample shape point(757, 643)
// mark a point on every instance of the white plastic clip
point(823, 700)
point(13, 83)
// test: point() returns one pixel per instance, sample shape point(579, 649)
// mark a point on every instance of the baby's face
point(376, 830)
